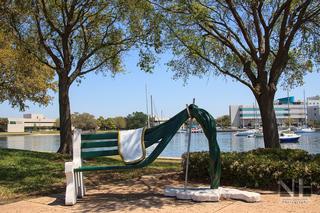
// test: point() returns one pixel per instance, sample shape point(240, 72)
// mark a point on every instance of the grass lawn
point(26, 174)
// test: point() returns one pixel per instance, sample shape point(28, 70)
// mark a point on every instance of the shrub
point(260, 168)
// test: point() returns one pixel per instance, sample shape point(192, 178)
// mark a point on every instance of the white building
point(29, 122)
point(313, 108)
point(249, 115)
point(156, 120)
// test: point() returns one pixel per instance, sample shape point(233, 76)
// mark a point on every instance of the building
point(313, 108)
point(29, 122)
point(156, 120)
point(249, 115)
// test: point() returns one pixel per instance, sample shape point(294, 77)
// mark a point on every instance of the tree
point(262, 44)
point(110, 124)
point(35, 128)
point(136, 120)
point(120, 122)
point(3, 124)
point(23, 77)
point(224, 120)
point(84, 121)
point(82, 36)
point(289, 121)
point(57, 123)
point(101, 123)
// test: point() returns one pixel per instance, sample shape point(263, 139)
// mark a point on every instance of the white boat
point(288, 137)
point(196, 130)
point(259, 134)
point(182, 131)
point(247, 132)
point(304, 130)
point(232, 127)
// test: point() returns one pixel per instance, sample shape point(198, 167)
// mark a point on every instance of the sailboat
point(288, 136)
point(304, 129)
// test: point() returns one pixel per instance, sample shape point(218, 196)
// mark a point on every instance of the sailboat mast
point(152, 116)
point(304, 109)
point(147, 105)
point(288, 109)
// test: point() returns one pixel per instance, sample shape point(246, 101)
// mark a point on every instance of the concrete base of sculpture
point(203, 194)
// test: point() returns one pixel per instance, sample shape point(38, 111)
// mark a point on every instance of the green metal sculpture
point(162, 134)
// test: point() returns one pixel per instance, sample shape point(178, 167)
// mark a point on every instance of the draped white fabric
point(131, 145)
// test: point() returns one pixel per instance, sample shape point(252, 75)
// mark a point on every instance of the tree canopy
point(81, 36)
point(84, 121)
point(23, 77)
point(136, 120)
point(223, 121)
point(120, 122)
point(262, 44)
point(111, 124)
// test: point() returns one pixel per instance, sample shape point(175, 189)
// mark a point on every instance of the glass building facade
point(249, 115)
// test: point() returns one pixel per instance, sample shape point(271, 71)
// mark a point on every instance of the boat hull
point(293, 139)
point(305, 130)
point(284, 137)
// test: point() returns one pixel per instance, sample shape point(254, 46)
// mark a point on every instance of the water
point(42, 143)
point(179, 144)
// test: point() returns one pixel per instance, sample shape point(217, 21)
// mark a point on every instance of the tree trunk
point(65, 117)
point(270, 129)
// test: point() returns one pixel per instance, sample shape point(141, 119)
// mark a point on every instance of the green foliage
point(23, 78)
point(35, 128)
point(84, 121)
point(110, 124)
point(243, 39)
point(313, 122)
point(120, 122)
point(289, 121)
point(3, 121)
point(260, 168)
point(136, 120)
point(57, 123)
point(101, 123)
point(224, 120)
point(261, 44)
point(76, 37)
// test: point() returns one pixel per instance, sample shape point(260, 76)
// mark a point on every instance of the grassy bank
point(24, 174)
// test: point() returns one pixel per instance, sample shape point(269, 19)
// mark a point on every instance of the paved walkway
point(146, 195)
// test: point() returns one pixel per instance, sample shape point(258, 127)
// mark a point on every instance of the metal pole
point(187, 163)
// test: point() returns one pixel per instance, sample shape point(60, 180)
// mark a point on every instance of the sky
point(127, 93)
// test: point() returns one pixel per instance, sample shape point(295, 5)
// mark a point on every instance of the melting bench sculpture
point(161, 134)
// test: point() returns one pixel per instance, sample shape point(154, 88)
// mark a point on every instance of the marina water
point(177, 146)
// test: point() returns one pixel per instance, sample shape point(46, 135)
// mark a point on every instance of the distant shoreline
point(26, 134)
point(40, 133)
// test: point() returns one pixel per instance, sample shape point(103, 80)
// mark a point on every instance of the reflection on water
point(179, 144)
point(229, 143)
point(31, 142)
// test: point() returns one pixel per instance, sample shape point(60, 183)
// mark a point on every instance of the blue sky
point(126, 93)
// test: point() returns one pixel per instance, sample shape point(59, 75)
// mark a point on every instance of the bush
point(260, 168)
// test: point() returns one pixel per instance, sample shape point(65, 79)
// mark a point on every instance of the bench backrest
point(94, 145)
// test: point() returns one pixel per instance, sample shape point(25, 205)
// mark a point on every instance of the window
point(12, 122)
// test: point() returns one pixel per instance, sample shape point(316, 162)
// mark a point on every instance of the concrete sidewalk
point(146, 195)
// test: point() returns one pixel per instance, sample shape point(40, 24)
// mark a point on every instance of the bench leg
point(81, 189)
point(71, 194)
